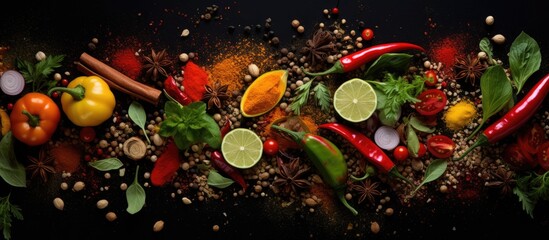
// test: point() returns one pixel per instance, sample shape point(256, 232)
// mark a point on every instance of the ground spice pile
point(230, 64)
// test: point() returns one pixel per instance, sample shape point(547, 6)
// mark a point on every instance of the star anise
point(319, 47)
point(156, 64)
point(41, 166)
point(469, 67)
point(367, 190)
point(215, 94)
point(503, 179)
point(291, 176)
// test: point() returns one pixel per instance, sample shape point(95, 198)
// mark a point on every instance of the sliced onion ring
point(12, 82)
point(386, 138)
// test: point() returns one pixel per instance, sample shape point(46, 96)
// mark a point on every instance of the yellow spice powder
point(460, 115)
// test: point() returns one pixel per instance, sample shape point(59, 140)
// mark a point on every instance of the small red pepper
point(166, 165)
point(514, 118)
point(220, 164)
point(174, 92)
point(355, 60)
point(367, 147)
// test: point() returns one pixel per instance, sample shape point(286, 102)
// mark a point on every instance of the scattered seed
point(498, 39)
point(158, 226)
point(78, 186)
point(111, 216)
point(58, 203)
point(374, 227)
point(101, 204)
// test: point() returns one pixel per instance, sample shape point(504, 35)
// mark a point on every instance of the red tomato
point(401, 153)
point(431, 78)
point(270, 147)
point(516, 158)
point(87, 134)
point(335, 11)
point(531, 138)
point(367, 34)
point(432, 101)
point(543, 155)
point(441, 146)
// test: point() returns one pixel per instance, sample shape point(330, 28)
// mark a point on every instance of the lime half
point(355, 100)
point(242, 148)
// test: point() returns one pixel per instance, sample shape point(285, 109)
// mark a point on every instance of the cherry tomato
point(270, 147)
point(543, 155)
point(400, 153)
point(87, 134)
point(431, 102)
point(64, 82)
point(335, 11)
point(431, 78)
point(441, 146)
point(531, 138)
point(367, 34)
point(516, 158)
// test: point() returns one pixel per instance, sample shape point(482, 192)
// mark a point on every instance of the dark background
point(58, 27)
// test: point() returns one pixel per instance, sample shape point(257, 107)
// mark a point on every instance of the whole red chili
point(367, 147)
point(173, 91)
point(166, 165)
point(355, 60)
point(514, 118)
point(220, 164)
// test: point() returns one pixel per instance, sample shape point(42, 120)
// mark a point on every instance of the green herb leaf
point(322, 96)
point(7, 211)
point(486, 46)
point(302, 97)
point(139, 116)
point(524, 59)
point(528, 204)
point(496, 92)
point(38, 73)
point(433, 172)
point(106, 164)
point(412, 141)
point(388, 62)
point(135, 195)
point(417, 124)
point(217, 180)
point(11, 170)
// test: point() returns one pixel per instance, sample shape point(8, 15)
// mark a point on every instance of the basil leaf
point(433, 172)
point(106, 164)
point(524, 59)
point(412, 141)
point(418, 125)
point(138, 116)
point(388, 62)
point(135, 195)
point(11, 170)
point(215, 179)
point(486, 46)
point(496, 91)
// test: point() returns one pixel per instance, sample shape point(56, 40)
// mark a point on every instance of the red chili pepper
point(226, 126)
point(367, 147)
point(174, 92)
point(166, 165)
point(355, 60)
point(220, 164)
point(514, 118)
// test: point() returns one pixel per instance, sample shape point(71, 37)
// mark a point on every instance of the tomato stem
point(34, 120)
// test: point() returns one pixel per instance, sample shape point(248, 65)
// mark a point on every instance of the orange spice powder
point(263, 96)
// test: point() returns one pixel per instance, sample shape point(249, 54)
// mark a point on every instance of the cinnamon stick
point(117, 80)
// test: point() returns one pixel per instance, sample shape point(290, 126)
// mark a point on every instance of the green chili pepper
point(327, 159)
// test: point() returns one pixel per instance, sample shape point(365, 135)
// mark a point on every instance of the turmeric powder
point(262, 97)
point(459, 115)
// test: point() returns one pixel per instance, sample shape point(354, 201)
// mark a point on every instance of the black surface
point(66, 27)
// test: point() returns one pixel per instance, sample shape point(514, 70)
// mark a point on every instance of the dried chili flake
point(127, 62)
point(195, 79)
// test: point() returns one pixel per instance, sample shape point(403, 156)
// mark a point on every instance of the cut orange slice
point(264, 93)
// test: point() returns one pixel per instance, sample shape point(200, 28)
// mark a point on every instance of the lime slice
point(241, 148)
point(355, 100)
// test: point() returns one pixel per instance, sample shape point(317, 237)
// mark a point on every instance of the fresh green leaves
point(321, 93)
point(432, 173)
point(322, 96)
point(138, 116)
point(486, 47)
point(217, 180)
point(496, 90)
point(135, 195)
point(11, 170)
point(524, 59)
point(530, 189)
point(189, 125)
point(388, 62)
point(7, 212)
point(411, 125)
point(38, 73)
point(106, 164)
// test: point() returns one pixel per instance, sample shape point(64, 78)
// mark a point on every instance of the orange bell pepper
point(34, 118)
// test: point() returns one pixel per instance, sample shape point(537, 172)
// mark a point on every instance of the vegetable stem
point(77, 92)
point(482, 139)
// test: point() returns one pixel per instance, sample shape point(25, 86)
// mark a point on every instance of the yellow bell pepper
point(87, 101)
point(5, 124)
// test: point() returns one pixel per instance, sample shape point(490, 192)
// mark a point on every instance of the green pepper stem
point(77, 92)
point(356, 179)
point(341, 197)
point(336, 68)
point(481, 140)
point(34, 120)
point(296, 136)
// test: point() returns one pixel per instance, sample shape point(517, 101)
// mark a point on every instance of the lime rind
point(355, 100)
